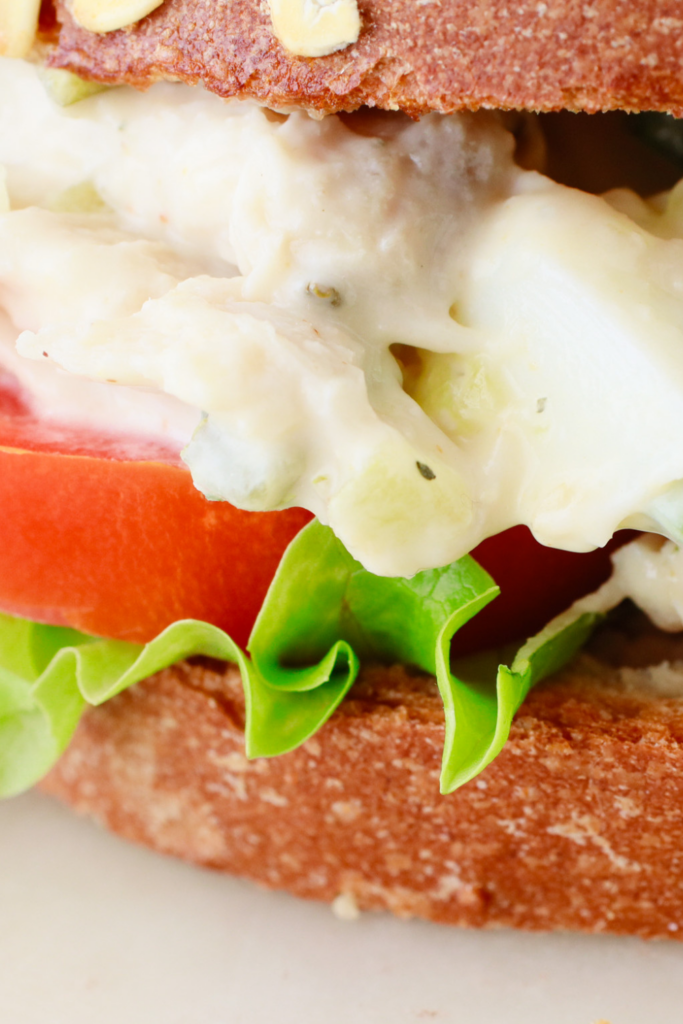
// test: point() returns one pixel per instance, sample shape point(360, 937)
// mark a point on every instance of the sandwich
point(292, 388)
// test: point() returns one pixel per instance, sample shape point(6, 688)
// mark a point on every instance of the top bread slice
point(412, 55)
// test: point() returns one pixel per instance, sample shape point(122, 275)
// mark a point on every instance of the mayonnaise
point(400, 330)
point(648, 571)
point(59, 397)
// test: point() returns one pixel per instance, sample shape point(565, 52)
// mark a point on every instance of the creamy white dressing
point(649, 571)
point(402, 331)
point(64, 398)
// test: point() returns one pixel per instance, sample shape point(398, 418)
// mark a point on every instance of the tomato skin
point(120, 547)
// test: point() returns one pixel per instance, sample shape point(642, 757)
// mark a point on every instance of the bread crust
point(577, 825)
point(434, 55)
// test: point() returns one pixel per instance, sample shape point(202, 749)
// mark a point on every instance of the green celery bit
point(322, 615)
point(65, 88)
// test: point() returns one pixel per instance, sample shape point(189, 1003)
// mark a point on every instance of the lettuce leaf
point(322, 616)
point(500, 691)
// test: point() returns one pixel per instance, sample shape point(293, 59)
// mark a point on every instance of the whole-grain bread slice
point(416, 56)
point(577, 825)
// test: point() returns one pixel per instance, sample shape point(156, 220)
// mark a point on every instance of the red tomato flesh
point(536, 583)
point(109, 535)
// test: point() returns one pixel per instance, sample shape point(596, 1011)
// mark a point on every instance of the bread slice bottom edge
point(577, 825)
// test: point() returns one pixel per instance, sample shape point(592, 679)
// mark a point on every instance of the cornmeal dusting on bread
point(345, 907)
point(583, 829)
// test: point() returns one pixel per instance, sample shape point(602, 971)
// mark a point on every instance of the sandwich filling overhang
point(389, 323)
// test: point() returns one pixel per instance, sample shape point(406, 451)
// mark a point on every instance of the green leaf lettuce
point(323, 615)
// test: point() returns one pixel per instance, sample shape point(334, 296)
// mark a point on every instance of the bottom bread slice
point(577, 825)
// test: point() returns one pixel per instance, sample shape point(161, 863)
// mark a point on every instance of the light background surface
point(97, 931)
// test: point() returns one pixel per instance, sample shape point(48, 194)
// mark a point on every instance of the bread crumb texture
point(577, 825)
point(414, 55)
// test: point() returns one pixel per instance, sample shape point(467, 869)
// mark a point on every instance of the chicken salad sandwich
point(221, 319)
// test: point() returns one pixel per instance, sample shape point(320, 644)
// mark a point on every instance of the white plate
point(95, 931)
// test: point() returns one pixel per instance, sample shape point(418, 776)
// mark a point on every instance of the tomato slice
point(536, 583)
point(108, 535)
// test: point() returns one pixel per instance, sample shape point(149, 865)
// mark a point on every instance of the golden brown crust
point(577, 825)
point(417, 56)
